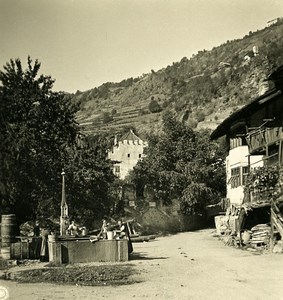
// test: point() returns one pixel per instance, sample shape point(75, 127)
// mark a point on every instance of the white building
point(238, 164)
point(253, 135)
point(126, 152)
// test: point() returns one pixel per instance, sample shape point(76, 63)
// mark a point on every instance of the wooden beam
point(271, 242)
point(280, 153)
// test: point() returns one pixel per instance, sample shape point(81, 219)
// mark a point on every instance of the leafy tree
point(106, 117)
point(89, 181)
point(194, 198)
point(154, 107)
point(200, 116)
point(37, 130)
point(113, 111)
point(182, 164)
point(39, 136)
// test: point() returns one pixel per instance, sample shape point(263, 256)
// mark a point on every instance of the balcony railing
point(259, 139)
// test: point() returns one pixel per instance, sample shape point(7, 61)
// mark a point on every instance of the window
point(235, 179)
point(129, 155)
point(117, 169)
point(239, 176)
point(245, 173)
point(140, 155)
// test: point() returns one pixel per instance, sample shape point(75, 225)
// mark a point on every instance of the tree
point(89, 181)
point(38, 132)
point(106, 117)
point(154, 107)
point(39, 137)
point(194, 198)
point(200, 116)
point(113, 112)
point(182, 164)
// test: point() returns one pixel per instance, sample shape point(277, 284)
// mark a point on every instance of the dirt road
point(191, 265)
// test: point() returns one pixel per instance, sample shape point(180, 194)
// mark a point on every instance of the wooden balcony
point(260, 138)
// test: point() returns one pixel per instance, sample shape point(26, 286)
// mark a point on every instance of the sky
point(83, 44)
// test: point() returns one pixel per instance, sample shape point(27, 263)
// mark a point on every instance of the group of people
point(75, 230)
point(120, 231)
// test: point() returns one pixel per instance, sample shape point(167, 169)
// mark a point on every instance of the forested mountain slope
point(202, 90)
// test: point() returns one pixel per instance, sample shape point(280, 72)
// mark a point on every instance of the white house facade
point(126, 152)
point(238, 163)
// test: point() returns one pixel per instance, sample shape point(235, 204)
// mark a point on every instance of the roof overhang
point(244, 112)
point(223, 128)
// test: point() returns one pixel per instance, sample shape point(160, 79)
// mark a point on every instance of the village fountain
point(66, 248)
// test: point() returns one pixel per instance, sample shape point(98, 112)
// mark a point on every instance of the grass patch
point(80, 275)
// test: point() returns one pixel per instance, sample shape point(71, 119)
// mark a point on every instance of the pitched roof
point(130, 136)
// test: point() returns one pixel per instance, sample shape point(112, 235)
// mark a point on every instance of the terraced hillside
point(202, 90)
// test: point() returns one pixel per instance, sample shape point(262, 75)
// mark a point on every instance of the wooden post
point(271, 242)
point(249, 171)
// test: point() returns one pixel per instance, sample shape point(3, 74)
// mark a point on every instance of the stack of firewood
point(260, 235)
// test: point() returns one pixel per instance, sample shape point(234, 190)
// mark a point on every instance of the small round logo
point(4, 294)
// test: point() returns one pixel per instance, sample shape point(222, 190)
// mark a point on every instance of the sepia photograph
point(141, 149)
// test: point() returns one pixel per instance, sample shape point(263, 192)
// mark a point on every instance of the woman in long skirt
point(44, 245)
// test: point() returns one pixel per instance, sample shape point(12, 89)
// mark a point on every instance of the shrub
point(192, 123)
point(194, 197)
point(200, 116)
point(154, 107)
point(106, 118)
point(142, 112)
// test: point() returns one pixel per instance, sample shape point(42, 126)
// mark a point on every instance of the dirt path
point(191, 265)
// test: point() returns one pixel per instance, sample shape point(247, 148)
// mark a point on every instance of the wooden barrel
point(8, 227)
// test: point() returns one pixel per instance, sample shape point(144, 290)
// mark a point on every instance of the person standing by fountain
point(104, 228)
point(44, 244)
point(36, 239)
point(124, 233)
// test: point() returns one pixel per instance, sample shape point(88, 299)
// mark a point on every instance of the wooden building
point(254, 136)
